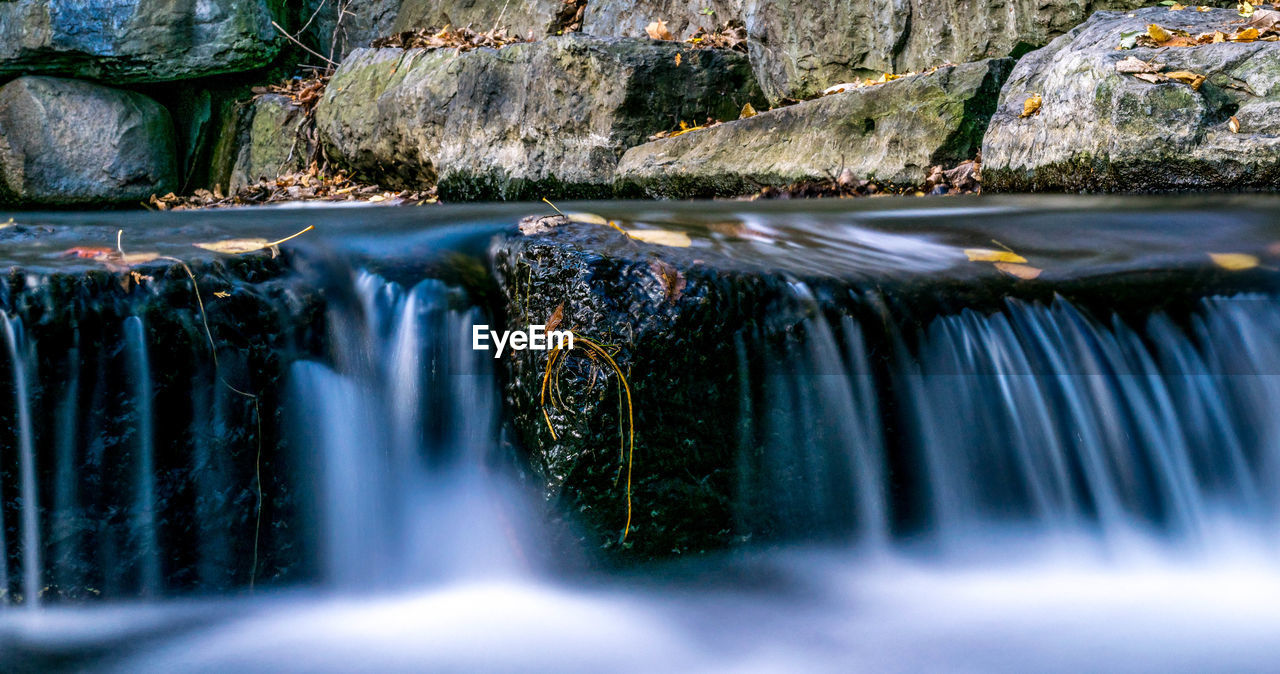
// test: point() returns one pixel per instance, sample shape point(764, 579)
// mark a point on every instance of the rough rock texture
point(71, 142)
point(362, 22)
point(892, 133)
point(527, 121)
point(273, 141)
point(630, 17)
point(524, 17)
point(135, 40)
point(1099, 130)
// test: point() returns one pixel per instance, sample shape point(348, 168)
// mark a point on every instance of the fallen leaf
point(1234, 125)
point(747, 111)
point(221, 294)
point(1154, 78)
point(1032, 105)
point(1246, 35)
point(88, 252)
point(587, 218)
point(238, 246)
point(1234, 261)
point(661, 237)
point(1186, 77)
point(1265, 20)
point(1245, 9)
point(673, 282)
point(658, 30)
point(557, 317)
point(678, 57)
point(988, 255)
point(1157, 32)
point(1023, 271)
point(1134, 65)
point(1175, 7)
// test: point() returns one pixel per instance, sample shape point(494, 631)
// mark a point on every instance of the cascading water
point(1031, 485)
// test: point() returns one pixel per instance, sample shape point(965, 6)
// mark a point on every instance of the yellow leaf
point(988, 255)
point(658, 30)
point(1245, 8)
point(1158, 33)
point(587, 218)
point(1246, 35)
point(1175, 7)
point(1023, 271)
point(661, 237)
point(1186, 77)
point(238, 246)
point(678, 59)
point(1032, 105)
point(221, 294)
point(1234, 125)
point(1203, 8)
point(747, 111)
point(1234, 261)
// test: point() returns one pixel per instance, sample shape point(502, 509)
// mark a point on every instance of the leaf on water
point(238, 246)
point(1032, 105)
point(988, 255)
point(587, 218)
point(137, 258)
point(88, 252)
point(1157, 33)
point(1023, 271)
point(658, 30)
point(661, 237)
point(747, 111)
point(1234, 261)
point(1234, 125)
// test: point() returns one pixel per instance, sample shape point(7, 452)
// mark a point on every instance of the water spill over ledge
point(949, 434)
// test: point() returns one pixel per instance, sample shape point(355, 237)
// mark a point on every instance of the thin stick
point(305, 48)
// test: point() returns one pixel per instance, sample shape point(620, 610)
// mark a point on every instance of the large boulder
point(66, 142)
point(682, 17)
point(135, 40)
point(271, 140)
point(531, 120)
point(1099, 129)
point(334, 32)
point(893, 133)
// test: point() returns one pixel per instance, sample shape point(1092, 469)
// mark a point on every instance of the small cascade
point(402, 427)
point(28, 495)
point(143, 523)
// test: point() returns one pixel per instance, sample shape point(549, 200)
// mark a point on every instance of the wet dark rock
point(892, 133)
point(135, 40)
point(545, 119)
point(272, 140)
point(65, 142)
point(1101, 130)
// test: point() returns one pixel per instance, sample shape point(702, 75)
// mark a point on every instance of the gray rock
point(1100, 130)
point(362, 22)
point(535, 120)
point(519, 17)
point(800, 47)
point(892, 132)
point(629, 18)
point(70, 142)
point(135, 40)
point(274, 141)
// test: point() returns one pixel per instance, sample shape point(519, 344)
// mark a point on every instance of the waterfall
point(144, 499)
point(28, 494)
point(401, 427)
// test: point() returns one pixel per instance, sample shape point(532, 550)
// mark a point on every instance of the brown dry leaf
point(1154, 78)
point(1265, 20)
point(673, 282)
point(661, 237)
point(1134, 65)
point(1023, 271)
point(658, 30)
point(1032, 105)
point(557, 317)
point(1234, 261)
point(1186, 77)
point(747, 111)
point(988, 255)
point(1234, 125)
point(1157, 33)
